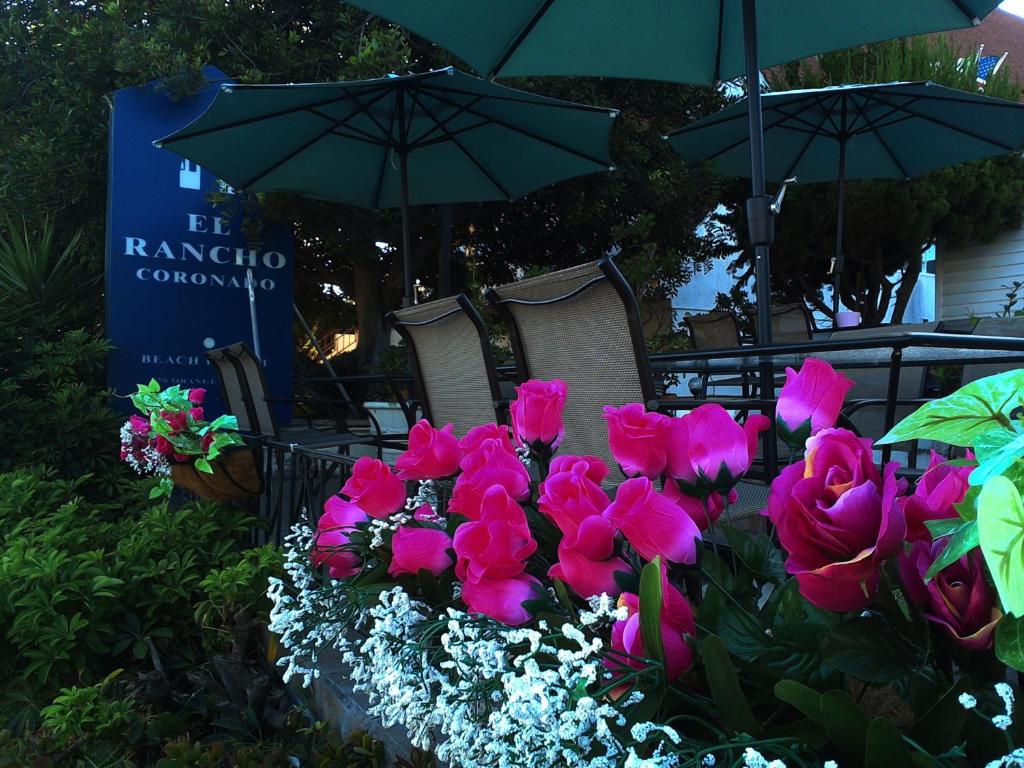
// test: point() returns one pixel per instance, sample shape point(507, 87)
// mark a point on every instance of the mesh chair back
point(581, 325)
point(451, 360)
point(253, 389)
point(232, 387)
point(873, 383)
point(713, 330)
point(1011, 327)
point(790, 323)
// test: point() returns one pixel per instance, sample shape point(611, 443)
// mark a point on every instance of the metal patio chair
point(450, 356)
point(713, 330)
point(790, 323)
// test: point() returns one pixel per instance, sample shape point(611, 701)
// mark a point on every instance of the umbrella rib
point(366, 135)
point(718, 41)
point(949, 126)
point(426, 133)
point(888, 149)
point(383, 164)
point(741, 140)
point(536, 101)
point(266, 116)
point(472, 158)
point(519, 38)
point(806, 146)
point(457, 132)
point(527, 133)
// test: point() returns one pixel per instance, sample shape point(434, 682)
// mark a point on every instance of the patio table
point(891, 351)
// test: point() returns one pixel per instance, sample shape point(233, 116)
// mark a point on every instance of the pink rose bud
point(586, 559)
point(475, 437)
point(196, 414)
point(197, 396)
point(432, 453)
point(372, 485)
point(139, 424)
point(637, 438)
point(569, 497)
point(333, 529)
point(704, 513)
point(163, 446)
point(178, 421)
point(938, 491)
point(491, 464)
point(676, 622)
point(652, 524)
point(496, 545)
point(537, 413)
point(708, 451)
point(959, 598)
point(413, 549)
point(502, 599)
point(593, 466)
point(810, 401)
point(838, 519)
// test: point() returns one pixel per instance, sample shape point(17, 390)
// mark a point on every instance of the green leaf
point(963, 540)
point(939, 728)
point(845, 724)
point(725, 688)
point(650, 610)
point(875, 651)
point(1001, 532)
point(885, 746)
point(757, 553)
point(959, 418)
point(997, 451)
point(800, 696)
point(203, 465)
point(156, 492)
point(944, 527)
point(227, 421)
point(1010, 642)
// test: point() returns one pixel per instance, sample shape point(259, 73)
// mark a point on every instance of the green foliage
point(1001, 534)
point(887, 223)
point(55, 410)
point(90, 712)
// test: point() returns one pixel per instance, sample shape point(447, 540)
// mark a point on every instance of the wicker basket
point(235, 477)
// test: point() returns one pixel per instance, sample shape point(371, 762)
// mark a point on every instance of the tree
point(61, 60)
point(888, 224)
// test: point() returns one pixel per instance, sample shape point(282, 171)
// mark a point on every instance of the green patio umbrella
point(433, 138)
point(686, 41)
point(884, 131)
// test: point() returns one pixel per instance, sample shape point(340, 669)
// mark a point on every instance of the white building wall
point(971, 280)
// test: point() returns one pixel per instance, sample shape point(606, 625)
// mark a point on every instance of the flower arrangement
point(517, 611)
point(173, 430)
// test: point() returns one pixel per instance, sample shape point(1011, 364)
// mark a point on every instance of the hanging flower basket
point(235, 477)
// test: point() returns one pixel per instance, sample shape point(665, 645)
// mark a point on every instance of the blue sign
point(177, 264)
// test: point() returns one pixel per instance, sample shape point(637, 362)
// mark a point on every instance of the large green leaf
point(757, 553)
point(997, 451)
point(885, 746)
point(1001, 532)
point(650, 610)
point(1010, 642)
point(725, 688)
point(845, 725)
point(800, 696)
point(875, 651)
point(938, 729)
point(958, 419)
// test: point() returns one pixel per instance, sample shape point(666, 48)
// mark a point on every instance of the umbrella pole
point(444, 252)
point(759, 220)
point(407, 299)
point(837, 266)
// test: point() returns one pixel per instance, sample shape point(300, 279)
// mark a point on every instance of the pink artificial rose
point(593, 466)
point(502, 599)
point(940, 488)
point(206, 441)
point(476, 436)
point(432, 453)
point(496, 545)
point(652, 524)
point(163, 446)
point(709, 451)
point(810, 401)
point(569, 497)
point(416, 548)
point(537, 413)
point(703, 513)
point(375, 488)
point(139, 424)
point(332, 533)
point(425, 514)
point(178, 421)
point(637, 438)
point(196, 414)
point(490, 464)
point(838, 519)
point(585, 559)
point(676, 622)
point(197, 396)
point(959, 598)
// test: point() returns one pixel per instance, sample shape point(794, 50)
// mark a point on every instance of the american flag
point(986, 64)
